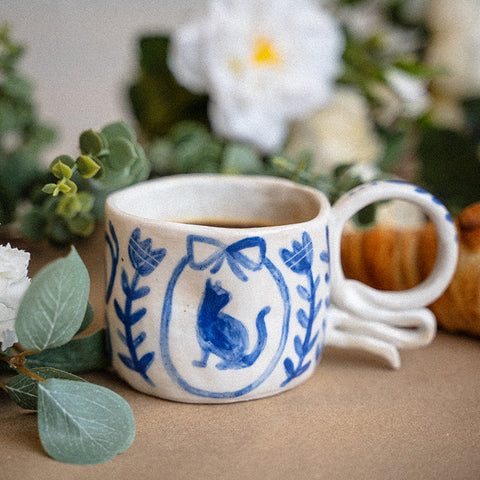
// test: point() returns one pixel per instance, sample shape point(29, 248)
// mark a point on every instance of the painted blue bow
point(235, 254)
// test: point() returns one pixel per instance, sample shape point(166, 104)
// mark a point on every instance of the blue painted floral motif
point(144, 260)
point(300, 260)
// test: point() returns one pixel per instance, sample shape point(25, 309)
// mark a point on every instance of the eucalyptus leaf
point(53, 307)
point(83, 423)
point(90, 143)
point(161, 153)
point(82, 224)
point(119, 129)
point(241, 158)
point(122, 153)
point(23, 390)
point(79, 355)
point(87, 318)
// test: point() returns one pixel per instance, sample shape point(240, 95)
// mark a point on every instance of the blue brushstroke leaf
point(313, 341)
point(125, 284)
point(123, 338)
point(298, 345)
point(302, 318)
point(139, 339)
point(140, 293)
point(303, 292)
point(136, 316)
point(324, 256)
point(146, 360)
point(119, 311)
point(289, 368)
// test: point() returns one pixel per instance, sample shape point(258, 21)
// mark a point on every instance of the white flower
point(13, 284)
point(372, 18)
point(263, 63)
point(411, 91)
point(342, 132)
point(455, 46)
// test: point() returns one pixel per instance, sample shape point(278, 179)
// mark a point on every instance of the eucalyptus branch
point(75, 417)
point(72, 202)
point(17, 362)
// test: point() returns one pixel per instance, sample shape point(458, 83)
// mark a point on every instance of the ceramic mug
point(226, 288)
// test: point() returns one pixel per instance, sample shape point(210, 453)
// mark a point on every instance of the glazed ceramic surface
point(202, 313)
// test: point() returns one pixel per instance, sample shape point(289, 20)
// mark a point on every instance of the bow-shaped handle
point(379, 321)
point(377, 329)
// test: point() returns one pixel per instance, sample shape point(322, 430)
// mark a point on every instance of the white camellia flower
point(13, 284)
point(264, 63)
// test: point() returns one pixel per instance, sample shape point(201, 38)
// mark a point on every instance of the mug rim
point(134, 191)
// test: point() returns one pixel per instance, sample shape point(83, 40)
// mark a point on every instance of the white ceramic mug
point(243, 309)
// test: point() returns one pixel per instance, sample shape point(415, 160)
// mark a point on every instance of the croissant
point(393, 259)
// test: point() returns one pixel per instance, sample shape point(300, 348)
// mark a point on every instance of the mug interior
point(220, 200)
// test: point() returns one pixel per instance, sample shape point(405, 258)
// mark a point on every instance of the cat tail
point(250, 358)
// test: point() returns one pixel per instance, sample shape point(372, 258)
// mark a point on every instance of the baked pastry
point(390, 258)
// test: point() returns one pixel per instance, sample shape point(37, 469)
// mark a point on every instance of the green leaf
point(90, 143)
point(122, 153)
point(82, 224)
point(54, 305)
point(68, 187)
point(23, 390)
point(82, 423)
point(101, 171)
point(49, 188)
point(60, 169)
point(241, 158)
point(119, 129)
point(87, 319)
point(79, 355)
point(161, 154)
point(87, 167)
point(86, 201)
point(68, 207)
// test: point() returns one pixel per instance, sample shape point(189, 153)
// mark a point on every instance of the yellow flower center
point(264, 52)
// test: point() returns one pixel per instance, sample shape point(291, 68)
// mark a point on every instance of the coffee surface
point(228, 223)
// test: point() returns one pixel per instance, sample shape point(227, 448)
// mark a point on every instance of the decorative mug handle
point(381, 322)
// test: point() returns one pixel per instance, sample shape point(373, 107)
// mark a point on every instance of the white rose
point(264, 63)
point(13, 284)
point(455, 46)
point(340, 133)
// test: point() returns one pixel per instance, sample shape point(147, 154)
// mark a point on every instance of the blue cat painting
point(223, 335)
